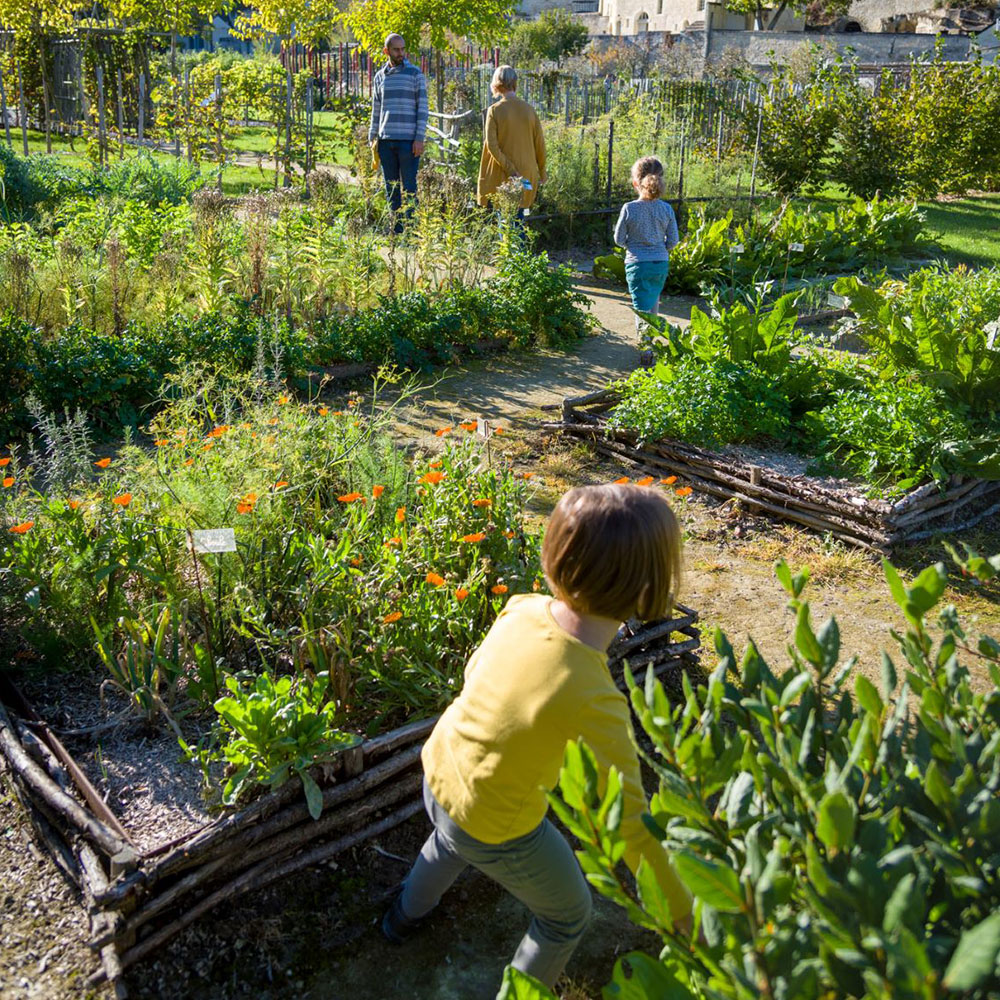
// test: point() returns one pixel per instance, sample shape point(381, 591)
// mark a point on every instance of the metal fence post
point(3, 111)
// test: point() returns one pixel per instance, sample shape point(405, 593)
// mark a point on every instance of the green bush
point(837, 843)
point(28, 184)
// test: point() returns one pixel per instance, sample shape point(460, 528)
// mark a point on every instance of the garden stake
point(22, 113)
point(3, 111)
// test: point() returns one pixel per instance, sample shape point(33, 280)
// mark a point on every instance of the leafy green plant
point(836, 843)
point(277, 729)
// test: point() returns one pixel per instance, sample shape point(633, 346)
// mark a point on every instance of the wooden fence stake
point(22, 110)
point(288, 127)
point(102, 139)
point(3, 111)
point(121, 116)
point(141, 128)
point(188, 138)
point(756, 153)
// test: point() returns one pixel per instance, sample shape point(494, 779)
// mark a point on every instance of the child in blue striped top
point(647, 229)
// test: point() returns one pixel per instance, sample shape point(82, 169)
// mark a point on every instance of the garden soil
point(315, 935)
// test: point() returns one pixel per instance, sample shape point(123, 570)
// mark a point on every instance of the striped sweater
point(399, 103)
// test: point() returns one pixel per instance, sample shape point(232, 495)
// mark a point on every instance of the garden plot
point(881, 448)
point(140, 897)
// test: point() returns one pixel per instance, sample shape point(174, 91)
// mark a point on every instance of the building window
point(659, 6)
point(701, 4)
point(642, 23)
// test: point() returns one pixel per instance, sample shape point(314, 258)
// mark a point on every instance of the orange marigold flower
point(161, 442)
point(218, 431)
point(461, 594)
point(395, 540)
point(441, 431)
point(476, 536)
point(338, 413)
point(684, 491)
point(508, 534)
point(8, 481)
point(470, 426)
point(351, 497)
point(499, 588)
point(498, 430)
point(392, 616)
point(669, 481)
point(435, 465)
point(122, 500)
point(356, 561)
point(207, 445)
point(282, 400)
point(250, 498)
point(377, 491)
point(73, 504)
point(400, 515)
point(23, 528)
point(244, 508)
point(280, 483)
point(645, 481)
point(189, 461)
point(482, 502)
point(323, 411)
point(435, 579)
point(622, 481)
point(352, 402)
point(4, 462)
point(431, 477)
point(527, 475)
point(103, 463)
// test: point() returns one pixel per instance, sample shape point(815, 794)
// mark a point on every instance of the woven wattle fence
point(871, 523)
point(138, 901)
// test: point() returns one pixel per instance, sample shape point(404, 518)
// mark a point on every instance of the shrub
point(141, 178)
point(836, 843)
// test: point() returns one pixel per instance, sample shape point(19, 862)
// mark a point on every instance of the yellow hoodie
point(529, 688)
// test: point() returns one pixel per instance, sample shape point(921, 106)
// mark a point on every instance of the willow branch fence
point(871, 523)
point(139, 900)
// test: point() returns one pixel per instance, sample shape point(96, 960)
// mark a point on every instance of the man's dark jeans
point(399, 168)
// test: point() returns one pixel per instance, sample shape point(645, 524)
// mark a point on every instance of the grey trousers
point(539, 869)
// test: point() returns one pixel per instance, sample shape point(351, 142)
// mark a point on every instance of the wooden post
point(309, 130)
point(756, 153)
point(567, 104)
point(187, 112)
point(220, 153)
point(22, 110)
point(3, 111)
point(142, 106)
point(680, 168)
point(101, 136)
point(288, 128)
point(611, 150)
point(121, 117)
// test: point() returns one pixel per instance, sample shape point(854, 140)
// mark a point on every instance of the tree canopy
point(554, 35)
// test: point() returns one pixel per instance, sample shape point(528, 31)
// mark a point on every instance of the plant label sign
point(737, 248)
point(483, 428)
point(214, 540)
point(797, 247)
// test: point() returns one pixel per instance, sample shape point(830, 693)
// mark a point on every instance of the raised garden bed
point(139, 899)
point(847, 514)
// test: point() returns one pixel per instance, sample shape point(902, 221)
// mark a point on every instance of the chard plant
point(840, 837)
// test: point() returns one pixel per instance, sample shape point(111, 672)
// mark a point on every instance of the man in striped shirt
point(399, 123)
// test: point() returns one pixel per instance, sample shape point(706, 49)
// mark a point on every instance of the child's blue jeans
point(645, 282)
point(538, 868)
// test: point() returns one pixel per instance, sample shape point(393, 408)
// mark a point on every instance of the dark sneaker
point(396, 926)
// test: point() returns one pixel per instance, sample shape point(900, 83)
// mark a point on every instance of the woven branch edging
point(138, 902)
point(871, 523)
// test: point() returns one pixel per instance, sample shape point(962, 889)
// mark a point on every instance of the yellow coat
point(529, 689)
point(513, 144)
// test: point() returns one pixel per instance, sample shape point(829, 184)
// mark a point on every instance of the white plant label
point(483, 428)
point(797, 247)
point(214, 540)
point(737, 248)
point(837, 301)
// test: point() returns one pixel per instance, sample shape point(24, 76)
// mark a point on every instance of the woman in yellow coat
point(514, 145)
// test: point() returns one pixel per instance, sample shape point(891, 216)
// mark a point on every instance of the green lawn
point(969, 228)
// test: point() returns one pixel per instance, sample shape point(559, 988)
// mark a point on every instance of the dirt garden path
point(315, 935)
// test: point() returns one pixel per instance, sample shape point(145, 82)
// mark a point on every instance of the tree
point(553, 36)
point(766, 17)
point(440, 21)
point(308, 21)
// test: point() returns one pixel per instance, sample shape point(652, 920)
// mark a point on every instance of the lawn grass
point(968, 229)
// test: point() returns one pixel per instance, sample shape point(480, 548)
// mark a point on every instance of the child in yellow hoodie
point(540, 679)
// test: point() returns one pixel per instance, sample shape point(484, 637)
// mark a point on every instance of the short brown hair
point(613, 551)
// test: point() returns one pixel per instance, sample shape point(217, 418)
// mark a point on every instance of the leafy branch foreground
point(836, 846)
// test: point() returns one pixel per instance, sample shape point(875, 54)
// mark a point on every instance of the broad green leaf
point(976, 955)
point(713, 882)
point(519, 985)
point(314, 797)
point(867, 695)
point(641, 977)
point(805, 638)
point(837, 815)
point(651, 895)
point(794, 688)
point(900, 902)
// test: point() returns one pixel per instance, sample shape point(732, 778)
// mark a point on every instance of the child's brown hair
point(647, 173)
point(613, 551)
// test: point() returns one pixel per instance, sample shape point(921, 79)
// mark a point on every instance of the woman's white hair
point(504, 79)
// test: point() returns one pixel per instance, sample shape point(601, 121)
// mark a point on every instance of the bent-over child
point(538, 680)
point(647, 229)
